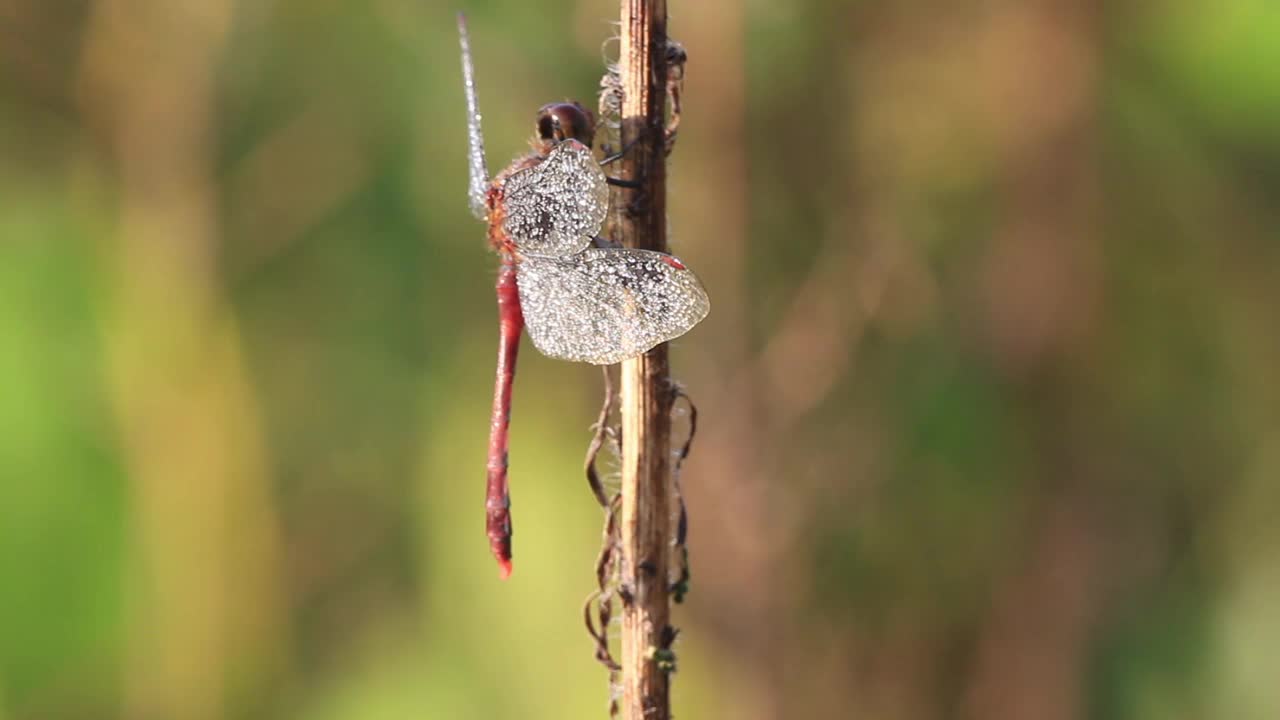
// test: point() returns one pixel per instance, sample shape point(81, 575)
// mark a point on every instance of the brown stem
point(646, 388)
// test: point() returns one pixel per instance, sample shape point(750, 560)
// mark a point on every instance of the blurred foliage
point(989, 407)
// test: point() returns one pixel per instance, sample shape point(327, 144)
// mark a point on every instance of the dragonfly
point(579, 298)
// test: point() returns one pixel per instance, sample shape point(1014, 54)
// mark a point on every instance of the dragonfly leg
point(619, 182)
point(614, 157)
point(497, 491)
point(610, 159)
point(604, 244)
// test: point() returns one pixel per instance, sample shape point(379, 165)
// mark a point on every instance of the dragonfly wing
point(603, 306)
point(554, 207)
point(477, 170)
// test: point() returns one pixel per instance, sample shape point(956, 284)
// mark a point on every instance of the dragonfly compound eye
point(563, 121)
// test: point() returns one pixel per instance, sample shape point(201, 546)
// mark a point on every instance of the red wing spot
point(673, 262)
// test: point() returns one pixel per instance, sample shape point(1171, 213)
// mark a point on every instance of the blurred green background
point(990, 390)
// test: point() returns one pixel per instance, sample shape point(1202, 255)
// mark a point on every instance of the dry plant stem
point(646, 389)
point(602, 431)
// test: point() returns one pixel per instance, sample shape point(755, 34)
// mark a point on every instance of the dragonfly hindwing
point(603, 306)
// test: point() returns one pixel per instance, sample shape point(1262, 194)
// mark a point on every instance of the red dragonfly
point(579, 302)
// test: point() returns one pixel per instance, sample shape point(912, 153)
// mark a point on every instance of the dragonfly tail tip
point(504, 568)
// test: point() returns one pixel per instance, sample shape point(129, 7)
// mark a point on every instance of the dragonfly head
point(558, 122)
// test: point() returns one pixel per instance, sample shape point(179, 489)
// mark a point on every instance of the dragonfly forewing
point(603, 306)
point(554, 207)
point(477, 169)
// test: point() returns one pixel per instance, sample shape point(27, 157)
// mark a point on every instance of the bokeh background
point(990, 390)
